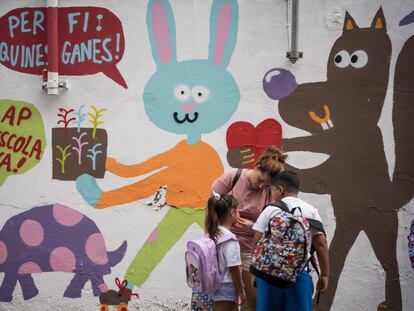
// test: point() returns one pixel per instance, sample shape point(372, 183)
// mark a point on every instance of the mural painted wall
point(103, 183)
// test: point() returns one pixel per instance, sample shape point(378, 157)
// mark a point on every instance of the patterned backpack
point(284, 251)
point(411, 244)
point(201, 262)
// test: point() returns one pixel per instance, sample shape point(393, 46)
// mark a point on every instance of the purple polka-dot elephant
point(54, 238)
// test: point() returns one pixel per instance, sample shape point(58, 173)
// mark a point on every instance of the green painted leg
point(171, 228)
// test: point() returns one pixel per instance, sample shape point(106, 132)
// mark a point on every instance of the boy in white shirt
point(285, 187)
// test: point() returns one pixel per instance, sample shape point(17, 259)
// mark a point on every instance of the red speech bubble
point(91, 40)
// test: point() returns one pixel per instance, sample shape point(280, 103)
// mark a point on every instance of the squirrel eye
point(200, 93)
point(182, 92)
point(359, 59)
point(342, 59)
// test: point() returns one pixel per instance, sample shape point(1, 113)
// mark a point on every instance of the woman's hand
point(242, 298)
point(244, 224)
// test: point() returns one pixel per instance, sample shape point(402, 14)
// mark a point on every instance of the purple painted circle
point(3, 252)
point(153, 236)
point(95, 249)
point(279, 83)
point(62, 259)
point(66, 216)
point(29, 268)
point(31, 232)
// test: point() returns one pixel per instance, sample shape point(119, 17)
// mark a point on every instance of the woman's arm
point(222, 185)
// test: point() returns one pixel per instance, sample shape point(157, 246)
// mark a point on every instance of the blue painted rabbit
point(191, 98)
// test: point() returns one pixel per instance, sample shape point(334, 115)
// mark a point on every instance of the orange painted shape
point(378, 23)
point(349, 25)
point(190, 171)
point(103, 308)
point(318, 119)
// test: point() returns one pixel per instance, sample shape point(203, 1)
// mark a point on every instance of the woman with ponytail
point(252, 191)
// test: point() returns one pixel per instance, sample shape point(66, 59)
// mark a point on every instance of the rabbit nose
point(189, 107)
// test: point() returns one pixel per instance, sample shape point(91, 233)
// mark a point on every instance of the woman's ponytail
point(271, 161)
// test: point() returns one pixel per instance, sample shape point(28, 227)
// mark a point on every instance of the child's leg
point(225, 299)
point(171, 228)
point(224, 306)
point(251, 291)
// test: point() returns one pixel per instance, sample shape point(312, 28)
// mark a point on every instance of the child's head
point(222, 209)
point(269, 165)
point(285, 184)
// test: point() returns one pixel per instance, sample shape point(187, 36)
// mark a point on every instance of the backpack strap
point(297, 209)
point(220, 240)
point(280, 204)
point(225, 238)
point(236, 178)
point(316, 224)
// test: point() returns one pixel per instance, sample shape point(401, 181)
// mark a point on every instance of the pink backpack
point(201, 263)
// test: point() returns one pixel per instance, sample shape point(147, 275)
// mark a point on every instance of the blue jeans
point(297, 297)
point(227, 292)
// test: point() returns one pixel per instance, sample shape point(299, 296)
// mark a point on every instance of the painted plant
point(75, 160)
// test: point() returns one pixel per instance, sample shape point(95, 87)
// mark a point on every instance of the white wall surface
point(261, 45)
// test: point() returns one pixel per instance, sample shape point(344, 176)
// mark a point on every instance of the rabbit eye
point(342, 59)
point(200, 93)
point(359, 59)
point(182, 92)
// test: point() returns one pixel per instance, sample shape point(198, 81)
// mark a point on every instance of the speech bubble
point(91, 40)
point(22, 138)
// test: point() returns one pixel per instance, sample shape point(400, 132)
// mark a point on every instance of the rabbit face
point(191, 98)
point(195, 96)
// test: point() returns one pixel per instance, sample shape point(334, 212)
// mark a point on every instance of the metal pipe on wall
point(52, 86)
point(294, 54)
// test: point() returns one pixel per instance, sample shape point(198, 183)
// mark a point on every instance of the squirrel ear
point(378, 22)
point(349, 23)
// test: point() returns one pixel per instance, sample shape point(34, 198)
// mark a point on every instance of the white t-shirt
point(229, 256)
point(308, 211)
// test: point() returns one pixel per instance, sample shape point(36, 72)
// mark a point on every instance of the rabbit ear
point(223, 31)
point(161, 30)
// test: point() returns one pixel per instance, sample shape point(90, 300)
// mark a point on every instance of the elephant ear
point(161, 31)
point(223, 31)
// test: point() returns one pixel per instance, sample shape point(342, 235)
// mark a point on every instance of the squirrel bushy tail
point(403, 121)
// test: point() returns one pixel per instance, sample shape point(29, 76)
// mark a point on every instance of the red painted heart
point(244, 134)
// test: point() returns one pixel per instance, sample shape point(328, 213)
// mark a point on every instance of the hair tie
point(216, 196)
